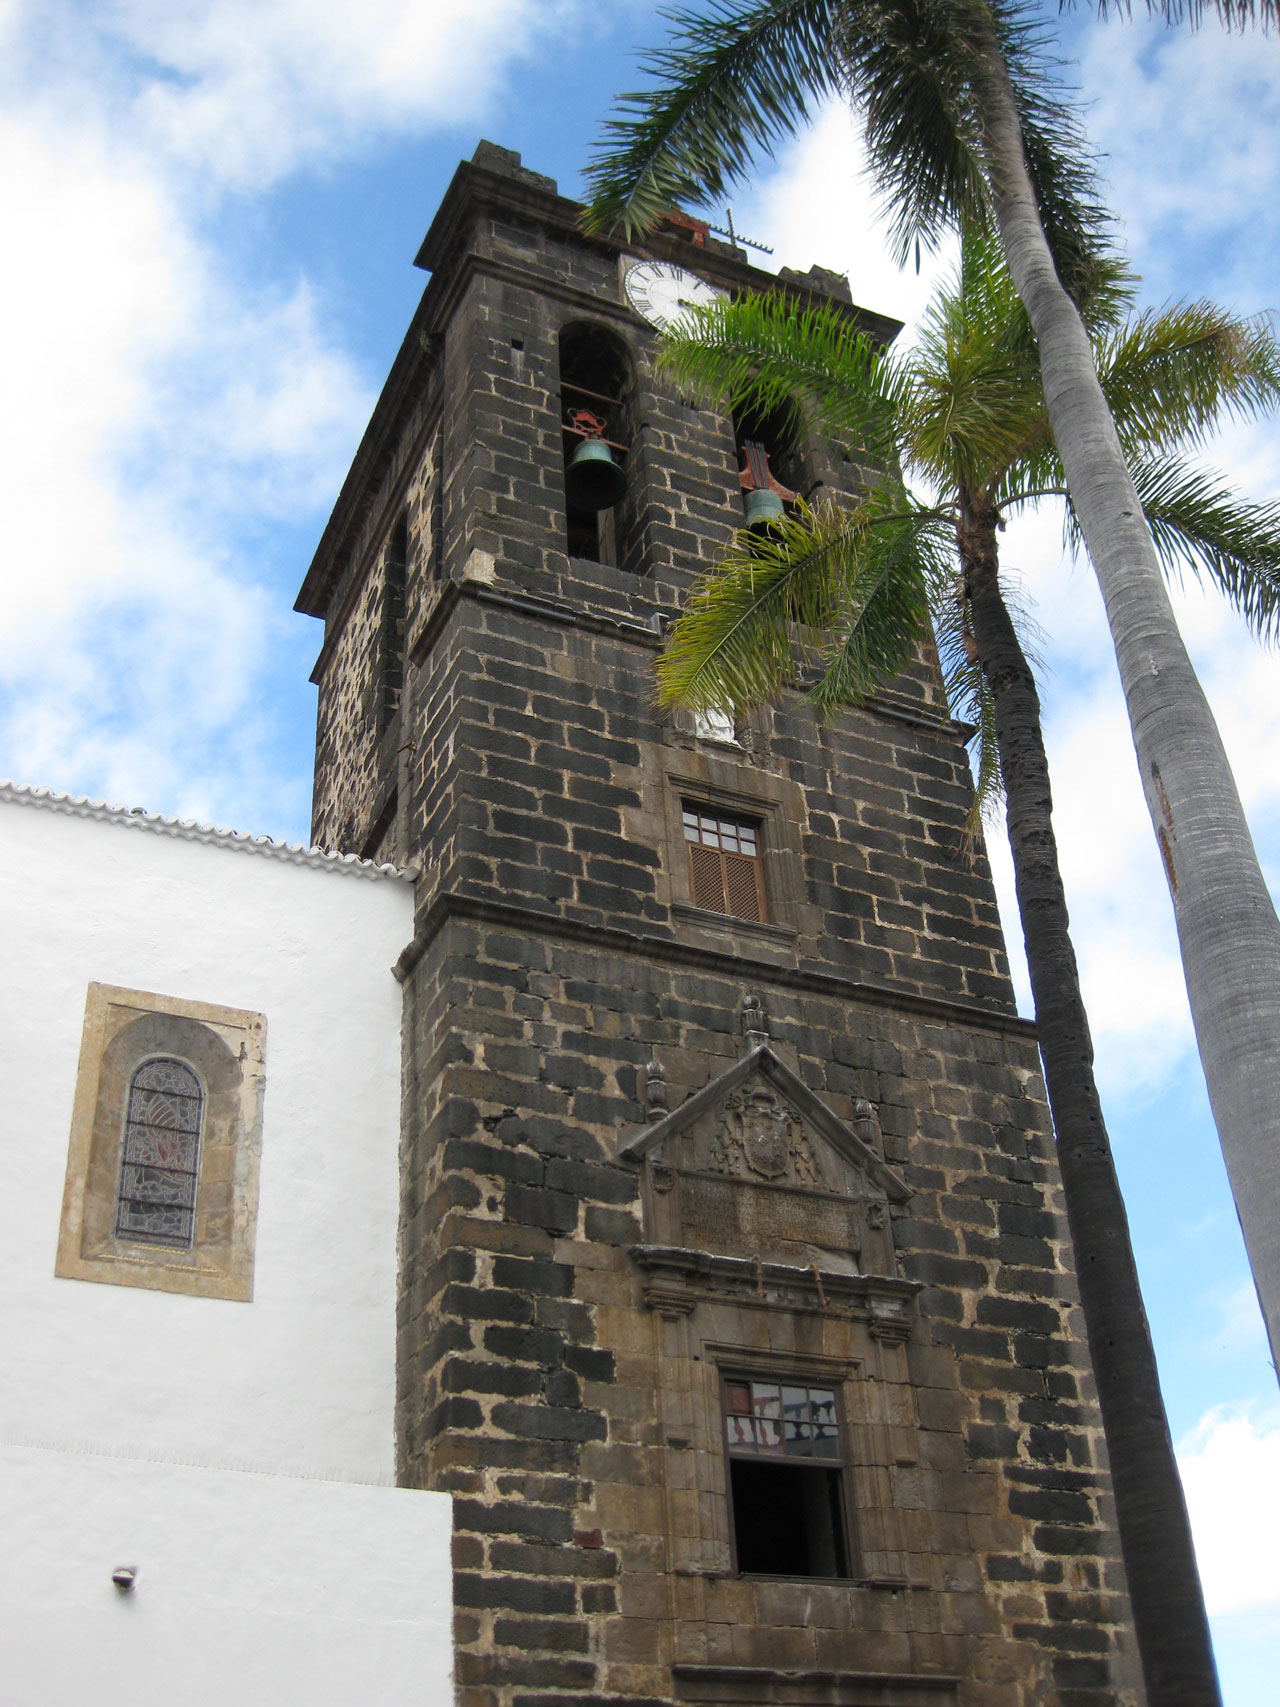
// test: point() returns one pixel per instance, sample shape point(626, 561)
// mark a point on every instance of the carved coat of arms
point(760, 1135)
point(766, 1131)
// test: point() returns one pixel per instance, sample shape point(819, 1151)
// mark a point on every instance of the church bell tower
point(737, 1308)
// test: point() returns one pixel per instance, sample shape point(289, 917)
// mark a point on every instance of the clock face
point(663, 294)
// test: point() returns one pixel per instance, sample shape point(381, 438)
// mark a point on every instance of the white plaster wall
point(304, 1375)
point(252, 1591)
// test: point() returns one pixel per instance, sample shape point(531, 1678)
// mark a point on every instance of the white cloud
point(818, 205)
point(252, 89)
point(1187, 122)
point(1230, 1467)
point(158, 409)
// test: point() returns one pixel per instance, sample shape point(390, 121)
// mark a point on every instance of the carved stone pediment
point(756, 1169)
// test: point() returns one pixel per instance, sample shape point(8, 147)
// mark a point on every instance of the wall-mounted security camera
point(124, 1577)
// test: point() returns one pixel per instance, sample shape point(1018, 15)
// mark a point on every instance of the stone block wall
point(467, 445)
point(550, 1377)
point(541, 1388)
point(546, 777)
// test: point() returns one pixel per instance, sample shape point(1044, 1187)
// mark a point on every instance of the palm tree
point(966, 412)
point(964, 123)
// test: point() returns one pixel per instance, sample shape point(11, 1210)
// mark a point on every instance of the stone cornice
point(188, 830)
point(778, 1684)
point(558, 612)
point(410, 373)
point(665, 949)
point(679, 1278)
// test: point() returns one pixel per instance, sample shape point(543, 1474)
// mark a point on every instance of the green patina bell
point(593, 480)
point(763, 508)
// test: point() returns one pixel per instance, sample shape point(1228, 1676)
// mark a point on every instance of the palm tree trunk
point(1227, 927)
point(1155, 1533)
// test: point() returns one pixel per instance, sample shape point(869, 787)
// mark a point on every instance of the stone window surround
point(874, 1444)
point(224, 1046)
point(723, 854)
point(785, 1370)
point(776, 805)
point(723, 1362)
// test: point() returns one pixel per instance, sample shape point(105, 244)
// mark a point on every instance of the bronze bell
point(763, 507)
point(593, 480)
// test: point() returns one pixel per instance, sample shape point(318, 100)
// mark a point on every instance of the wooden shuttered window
point(725, 872)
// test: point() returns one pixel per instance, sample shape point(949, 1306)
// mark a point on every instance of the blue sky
point(211, 212)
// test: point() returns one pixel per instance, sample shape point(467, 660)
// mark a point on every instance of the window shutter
point(707, 880)
point(742, 886)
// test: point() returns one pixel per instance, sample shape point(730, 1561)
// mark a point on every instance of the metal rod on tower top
point(735, 237)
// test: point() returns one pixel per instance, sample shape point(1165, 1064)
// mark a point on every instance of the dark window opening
point(725, 874)
point(769, 454)
point(787, 1479)
point(788, 1520)
point(595, 399)
point(437, 508)
point(391, 628)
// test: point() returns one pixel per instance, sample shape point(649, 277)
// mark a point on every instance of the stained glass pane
point(160, 1164)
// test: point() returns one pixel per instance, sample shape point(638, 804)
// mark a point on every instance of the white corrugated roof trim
point(188, 830)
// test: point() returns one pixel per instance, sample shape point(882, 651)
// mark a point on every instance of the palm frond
point(1170, 374)
point(767, 352)
point(1199, 524)
point(827, 588)
point(884, 601)
point(908, 68)
point(733, 81)
point(1232, 14)
point(975, 402)
point(1060, 159)
point(737, 78)
point(972, 703)
point(911, 66)
point(968, 693)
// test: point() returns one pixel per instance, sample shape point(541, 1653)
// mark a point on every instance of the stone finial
point(655, 1088)
point(754, 1024)
point(866, 1125)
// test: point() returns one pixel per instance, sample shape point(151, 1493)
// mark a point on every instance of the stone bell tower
point(737, 1306)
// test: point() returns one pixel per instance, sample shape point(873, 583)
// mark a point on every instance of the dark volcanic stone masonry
point(656, 1157)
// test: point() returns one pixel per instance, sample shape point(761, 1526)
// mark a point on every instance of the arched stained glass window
point(159, 1168)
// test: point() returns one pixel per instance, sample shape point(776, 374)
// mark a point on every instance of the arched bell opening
point(771, 467)
point(596, 386)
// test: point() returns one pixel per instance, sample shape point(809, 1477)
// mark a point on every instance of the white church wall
point(257, 1590)
point(304, 1374)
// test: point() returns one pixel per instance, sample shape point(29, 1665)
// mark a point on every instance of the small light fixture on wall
point(124, 1577)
